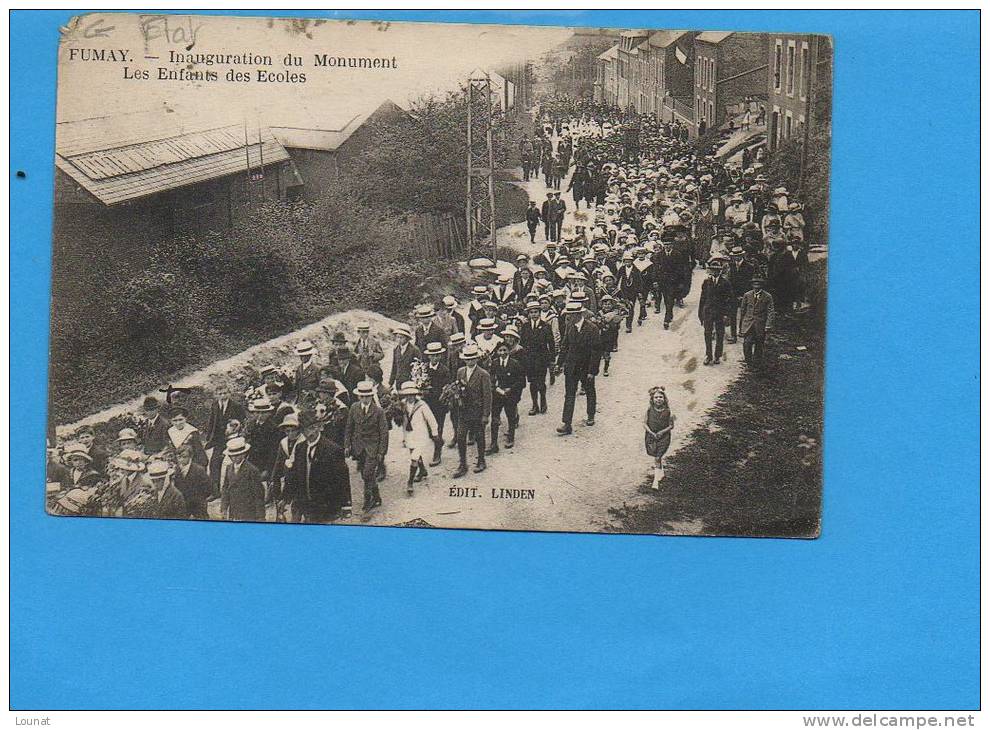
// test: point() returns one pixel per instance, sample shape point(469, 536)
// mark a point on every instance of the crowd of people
point(657, 208)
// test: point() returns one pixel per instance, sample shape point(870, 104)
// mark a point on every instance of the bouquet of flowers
point(452, 394)
point(421, 375)
point(395, 411)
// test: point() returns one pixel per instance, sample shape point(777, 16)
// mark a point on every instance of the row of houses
point(704, 79)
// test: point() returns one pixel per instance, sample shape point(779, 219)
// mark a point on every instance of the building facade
point(730, 72)
point(793, 63)
point(627, 96)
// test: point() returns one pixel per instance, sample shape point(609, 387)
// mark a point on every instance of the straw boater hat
point(75, 449)
point(261, 405)
point(449, 301)
point(409, 388)
point(237, 446)
point(75, 500)
point(579, 296)
point(456, 338)
point(158, 470)
point(364, 388)
point(305, 347)
point(504, 279)
point(291, 420)
point(470, 352)
point(424, 311)
point(434, 348)
point(479, 289)
point(364, 327)
point(402, 329)
point(265, 369)
point(129, 460)
point(533, 304)
point(127, 434)
point(573, 307)
point(510, 331)
point(522, 257)
point(486, 325)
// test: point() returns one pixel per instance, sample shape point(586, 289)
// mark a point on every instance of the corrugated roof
point(663, 38)
point(329, 132)
point(131, 161)
point(713, 36)
point(610, 54)
point(634, 33)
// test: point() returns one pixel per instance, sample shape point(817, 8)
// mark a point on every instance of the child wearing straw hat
point(420, 433)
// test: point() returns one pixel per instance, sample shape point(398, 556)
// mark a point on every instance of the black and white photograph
point(495, 277)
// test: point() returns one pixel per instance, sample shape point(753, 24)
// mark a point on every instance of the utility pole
point(480, 167)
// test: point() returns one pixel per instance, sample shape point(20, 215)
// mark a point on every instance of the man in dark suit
point(427, 330)
point(154, 432)
point(578, 358)
point(476, 408)
point(546, 210)
point(403, 355)
point(508, 378)
point(536, 338)
point(630, 285)
point(666, 269)
point(193, 482)
point(319, 488)
point(343, 366)
point(224, 408)
point(713, 307)
point(242, 495)
point(533, 218)
point(366, 439)
point(559, 208)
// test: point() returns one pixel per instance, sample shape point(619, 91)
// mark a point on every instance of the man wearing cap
point(154, 432)
point(578, 358)
point(223, 408)
point(537, 339)
point(169, 502)
point(558, 209)
point(713, 308)
point(242, 495)
point(449, 319)
point(755, 320)
point(475, 410)
point(127, 438)
point(533, 219)
point(307, 375)
point(403, 355)
point(366, 439)
point(427, 330)
point(546, 210)
point(193, 482)
point(630, 283)
point(508, 377)
point(319, 487)
point(367, 349)
point(281, 469)
point(522, 278)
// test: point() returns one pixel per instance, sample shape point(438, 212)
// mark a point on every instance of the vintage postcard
point(439, 275)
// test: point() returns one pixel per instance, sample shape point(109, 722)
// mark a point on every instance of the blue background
point(881, 611)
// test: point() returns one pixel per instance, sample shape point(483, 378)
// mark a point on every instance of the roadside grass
point(755, 467)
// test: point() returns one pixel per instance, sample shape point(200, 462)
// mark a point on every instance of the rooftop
point(122, 157)
point(327, 131)
point(713, 36)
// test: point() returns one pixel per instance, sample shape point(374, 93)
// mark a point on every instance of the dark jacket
point(477, 399)
point(439, 378)
point(402, 364)
point(580, 352)
point(196, 488)
point(171, 505)
point(366, 433)
point(215, 428)
point(434, 333)
point(308, 379)
point(154, 435)
point(510, 377)
point(321, 480)
point(716, 298)
point(264, 438)
point(87, 478)
point(539, 346)
point(350, 375)
point(630, 283)
point(667, 267)
point(242, 496)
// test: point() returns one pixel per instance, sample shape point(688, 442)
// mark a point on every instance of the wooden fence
point(436, 236)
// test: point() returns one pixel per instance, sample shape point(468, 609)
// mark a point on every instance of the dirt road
point(574, 479)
